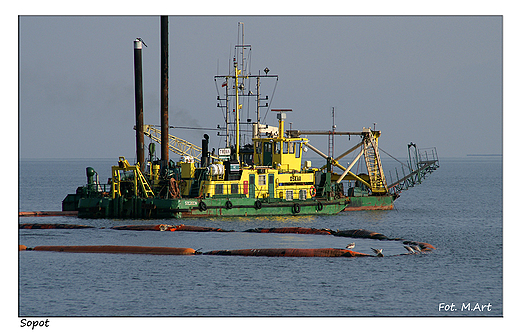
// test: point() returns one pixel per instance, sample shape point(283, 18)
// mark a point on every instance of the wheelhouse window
point(219, 189)
point(277, 147)
point(261, 180)
point(297, 149)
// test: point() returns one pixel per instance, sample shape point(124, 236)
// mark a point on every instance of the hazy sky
point(433, 80)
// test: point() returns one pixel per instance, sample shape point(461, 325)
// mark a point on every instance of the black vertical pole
point(138, 69)
point(164, 91)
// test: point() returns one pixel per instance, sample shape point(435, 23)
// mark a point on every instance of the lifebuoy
point(296, 208)
point(313, 191)
point(202, 206)
point(229, 204)
point(319, 206)
point(258, 204)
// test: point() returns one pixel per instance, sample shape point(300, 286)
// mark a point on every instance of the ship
point(263, 176)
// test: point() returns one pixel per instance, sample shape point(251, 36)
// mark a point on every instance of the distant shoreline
point(484, 155)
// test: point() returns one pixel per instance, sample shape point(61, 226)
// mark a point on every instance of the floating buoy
point(153, 227)
point(117, 249)
point(52, 226)
point(325, 252)
point(292, 230)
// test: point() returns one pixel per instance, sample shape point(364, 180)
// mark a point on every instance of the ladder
point(331, 147)
point(373, 164)
point(147, 190)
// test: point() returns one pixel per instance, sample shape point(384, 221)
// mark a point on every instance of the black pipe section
point(164, 91)
point(204, 158)
point(139, 124)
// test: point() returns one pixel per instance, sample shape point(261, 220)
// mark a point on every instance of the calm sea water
point(458, 209)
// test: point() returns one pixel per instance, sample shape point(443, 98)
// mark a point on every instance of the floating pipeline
point(113, 249)
point(292, 230)
point(149, 227)
point(283, 252)
point(167, 227)
point(354, 233)
point(362, 233)
point(48, 213)
point(52, 226)
point(153, 227)
point(422, 245)
point(325, 252)
point(183, 227)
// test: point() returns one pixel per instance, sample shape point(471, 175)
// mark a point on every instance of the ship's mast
point(237, 111)
point(238, 88)
point(227, 113)
point(239, 76)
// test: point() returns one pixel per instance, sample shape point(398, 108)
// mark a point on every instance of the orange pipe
point(22, 247)
point(117, 249)
point(360, 233)
point(153, 227)
point(183, 227)
point(325, 252)
point(49, 213)
point(426, 246)
point(292, 230)
point(52, 226)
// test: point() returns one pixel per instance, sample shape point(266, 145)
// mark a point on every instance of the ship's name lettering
point(295, 178)
point(190, 203)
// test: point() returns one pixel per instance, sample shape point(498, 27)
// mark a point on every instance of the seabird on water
point(378, 252)
point(416, 248)
point(351, 245)
point(409, 249)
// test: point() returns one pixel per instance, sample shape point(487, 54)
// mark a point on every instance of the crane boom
point(176, 145)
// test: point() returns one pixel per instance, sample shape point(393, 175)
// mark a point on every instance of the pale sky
point(433, 80)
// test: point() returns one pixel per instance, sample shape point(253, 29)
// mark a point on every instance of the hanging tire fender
point(258, 204)
point(296, 208)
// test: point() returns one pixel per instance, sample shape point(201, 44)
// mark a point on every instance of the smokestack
point(164, 91)
point(204, 156)
point(139, 132)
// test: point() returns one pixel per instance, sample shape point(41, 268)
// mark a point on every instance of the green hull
point(223, 207)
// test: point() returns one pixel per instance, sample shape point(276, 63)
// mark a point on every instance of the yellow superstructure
point(125, 174)
point(276, 172)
